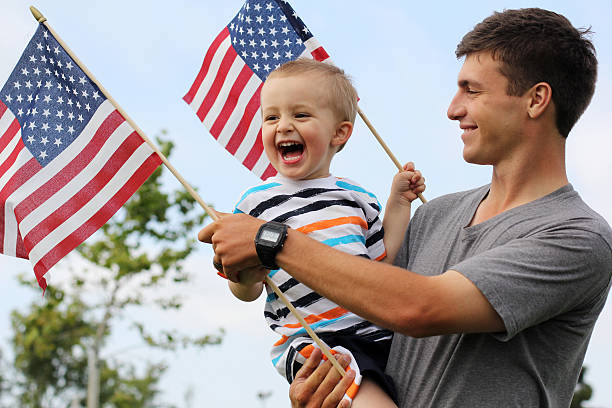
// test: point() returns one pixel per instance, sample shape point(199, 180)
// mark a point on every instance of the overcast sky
point(401, 57)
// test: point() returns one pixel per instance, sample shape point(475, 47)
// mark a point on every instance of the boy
point(308, 110)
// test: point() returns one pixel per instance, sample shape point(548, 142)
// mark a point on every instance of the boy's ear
point(540, 97)
point(343, 133)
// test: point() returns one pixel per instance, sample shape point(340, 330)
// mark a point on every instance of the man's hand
point(320, 386)
point(233, 239)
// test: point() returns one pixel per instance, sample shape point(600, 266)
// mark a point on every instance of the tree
point(583, 391)
point(140, 250)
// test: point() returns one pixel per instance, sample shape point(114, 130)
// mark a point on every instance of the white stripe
point(261, 165)
point(65, 157)
point(234, 119)
point(64, 194)
point(312, 44)
point(93, 206)
point(211, 74)
point(249, 140)
point(223, 94)
point(5, 121)
point(8, 150)
point(10, 223)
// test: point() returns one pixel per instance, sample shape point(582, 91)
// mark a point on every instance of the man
point(497, 289)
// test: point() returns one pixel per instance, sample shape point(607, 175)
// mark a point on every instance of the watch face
point(270, 236)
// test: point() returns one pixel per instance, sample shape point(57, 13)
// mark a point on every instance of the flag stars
point(80, 118)
point(250, 31)
point(274, 43)
point(28, 84)
point(87, 107)
point(95, 95)
point(82, 80)
point(47, 98)
point(84, 93)
point(8, 98)
point(60, 100)
point(257, 7)
point(48, 71)
point(24, 72)
point(59, 127)
point(44, 140)
point(45, 126)
point(34, 111)
point(39, 46)
point(69, 65)
point(71, 79)
point(70, 115)
point(19, 98)
point(71, 129)
point(30, 98)
point(261, 31)
point(57, 142)
point(43, 154)
point(30, 139)
point(254, 54)
point(20, 112)
point(273, 31)
point(271, 19)
point(36, 71)
point(288, 54)
point(43, 58)
point(32, 126)
point(56, 50)
point(46, 113)
point(16, 84)
point(59, 114)
point(48, 84)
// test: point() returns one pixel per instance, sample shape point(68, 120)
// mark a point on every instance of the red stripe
point(205, 65)
point(3, 108)
point(97, 220)
point(9, 134)
point(72, 169)
point(243, 126)
point(215, 87)
point(255, 152)
point(83, 196)
point(269, 172)
point(12, 158)
point(232, 100)
point(21, 251)
point(320, 54)
point(21, 176)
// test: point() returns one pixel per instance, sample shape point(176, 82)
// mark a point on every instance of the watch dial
point(271, 236)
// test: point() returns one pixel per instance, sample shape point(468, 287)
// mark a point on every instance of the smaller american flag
point(68, 158)
point(225, 93)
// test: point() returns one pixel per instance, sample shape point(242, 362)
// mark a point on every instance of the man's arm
point(387, 295)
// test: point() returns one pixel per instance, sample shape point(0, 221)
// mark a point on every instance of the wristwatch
point(268, 241)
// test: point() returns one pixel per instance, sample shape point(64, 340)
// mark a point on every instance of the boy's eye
point(271, 117)
point(301, 115)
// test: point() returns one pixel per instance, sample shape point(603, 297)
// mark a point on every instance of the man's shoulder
point(454, 201)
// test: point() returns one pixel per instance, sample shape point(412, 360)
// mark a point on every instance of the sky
point(401, 58)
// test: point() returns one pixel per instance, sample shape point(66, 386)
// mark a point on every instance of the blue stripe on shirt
point(347, 239)
point(352, 187)
point(255, 189)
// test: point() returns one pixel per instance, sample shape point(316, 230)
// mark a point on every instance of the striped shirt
point(337, 212)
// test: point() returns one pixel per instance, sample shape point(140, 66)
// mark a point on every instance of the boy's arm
point(395, 223)
point(406, 186)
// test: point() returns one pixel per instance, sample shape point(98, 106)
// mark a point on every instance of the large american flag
point(68, 159)
point(225, 93)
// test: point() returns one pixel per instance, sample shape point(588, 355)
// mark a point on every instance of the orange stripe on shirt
point(324, 224)
point(310, 319)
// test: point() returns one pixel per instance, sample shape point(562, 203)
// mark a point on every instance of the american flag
point(225, 93)
point(68, 159)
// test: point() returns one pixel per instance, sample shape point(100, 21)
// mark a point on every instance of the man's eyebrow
point(464, 83)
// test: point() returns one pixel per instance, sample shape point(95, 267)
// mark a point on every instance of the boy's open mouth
point(290, 151)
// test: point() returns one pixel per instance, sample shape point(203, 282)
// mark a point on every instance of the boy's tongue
point(292, 154)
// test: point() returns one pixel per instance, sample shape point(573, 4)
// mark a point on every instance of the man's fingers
point(206, 233)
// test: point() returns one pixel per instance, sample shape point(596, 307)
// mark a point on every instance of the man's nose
point(456, 109)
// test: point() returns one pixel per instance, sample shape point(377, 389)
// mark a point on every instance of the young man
point(502, 284)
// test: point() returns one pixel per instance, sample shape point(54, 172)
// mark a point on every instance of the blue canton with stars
point(51, 97)
point(266, 34)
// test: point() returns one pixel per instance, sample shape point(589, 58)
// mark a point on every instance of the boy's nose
point(284, 125)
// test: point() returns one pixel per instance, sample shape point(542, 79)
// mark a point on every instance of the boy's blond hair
point(342, 95)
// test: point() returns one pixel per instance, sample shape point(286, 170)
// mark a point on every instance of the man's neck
point(522, 180)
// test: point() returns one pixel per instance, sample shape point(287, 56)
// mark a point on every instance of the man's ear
point(539, 99)
point(343, 133)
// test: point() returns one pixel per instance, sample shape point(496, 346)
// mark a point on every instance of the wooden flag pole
point(384, 146)
point(42, 20)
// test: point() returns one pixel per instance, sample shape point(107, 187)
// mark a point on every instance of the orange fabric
point(319, 225)
point(310, 319)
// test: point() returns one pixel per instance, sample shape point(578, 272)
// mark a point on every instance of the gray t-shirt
point(545, 267)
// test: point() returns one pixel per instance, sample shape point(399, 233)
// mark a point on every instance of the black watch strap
point(268, 242)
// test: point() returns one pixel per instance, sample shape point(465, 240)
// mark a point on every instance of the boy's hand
point(407, 185)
